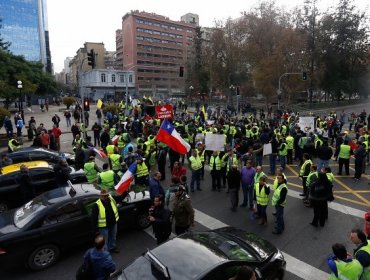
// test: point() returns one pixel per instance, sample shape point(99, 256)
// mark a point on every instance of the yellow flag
point(99, 103)
point(204, 113)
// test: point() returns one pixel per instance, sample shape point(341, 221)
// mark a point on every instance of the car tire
point(43, 257)
point(4, 206)
point(143, 221)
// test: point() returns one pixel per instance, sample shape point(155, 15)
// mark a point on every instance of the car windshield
point(229, 247)
point(28, 211)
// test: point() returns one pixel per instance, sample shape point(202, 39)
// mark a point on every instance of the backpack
point(85, 271)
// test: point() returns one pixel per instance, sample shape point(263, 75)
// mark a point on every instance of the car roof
point(62, 194)
point(30, 164)
point(184, 256)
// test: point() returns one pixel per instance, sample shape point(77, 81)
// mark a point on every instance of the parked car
point(208, 255)
point(42, 178)
point(34, 153)
point(39, 231)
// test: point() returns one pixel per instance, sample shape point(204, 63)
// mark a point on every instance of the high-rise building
point(25, 26)
point(157, 49)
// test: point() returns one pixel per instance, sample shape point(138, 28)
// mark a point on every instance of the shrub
point(111, 107)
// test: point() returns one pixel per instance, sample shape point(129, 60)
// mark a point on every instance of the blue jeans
point(272, 160)
point(247, 195)
point(322, 163)
point(195, 178)
point(279, 226)
point(109, 234)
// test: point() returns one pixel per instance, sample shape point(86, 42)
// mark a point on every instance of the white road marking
point(295, 266)
point(335, 206)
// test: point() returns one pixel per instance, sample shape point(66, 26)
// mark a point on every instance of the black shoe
point(302, 194)
point(315, 225)
point(274, 214)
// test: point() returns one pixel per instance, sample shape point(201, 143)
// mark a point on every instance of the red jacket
point(181, 170)
point(57, 132)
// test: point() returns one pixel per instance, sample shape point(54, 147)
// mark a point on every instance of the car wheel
point(43, 257)
point(143, 221)
point(3, 206)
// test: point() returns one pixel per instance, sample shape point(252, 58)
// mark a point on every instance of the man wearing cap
point(183, 211)
point(105, 217)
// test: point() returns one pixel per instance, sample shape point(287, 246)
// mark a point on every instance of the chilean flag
point(167, 134)
point(99, 152)
point(115, 139)
point(126, 179)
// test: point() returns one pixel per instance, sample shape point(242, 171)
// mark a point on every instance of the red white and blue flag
point(99, 152)
point(167, 134)
point(126, 179)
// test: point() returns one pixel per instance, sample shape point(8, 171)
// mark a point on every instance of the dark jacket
point(162, 224)
point(155, 188)
point(233, 179)
point(324, 152)
point(320, 190)
point(102, 263)
point(183, 211)
point(26, 186)
point(62, 174)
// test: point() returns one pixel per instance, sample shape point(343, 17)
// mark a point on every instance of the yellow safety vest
point(107, 179)
point(142, 170)
point(215, 160)
point(345, 151)
point(262, 197)
point(110, 149)
point(90, 172)
point(116, 165)
point(303, 167)
point(195, 163)
point(102, 221)
point(276, 195)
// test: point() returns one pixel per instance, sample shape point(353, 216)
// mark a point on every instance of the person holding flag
point(168, 135)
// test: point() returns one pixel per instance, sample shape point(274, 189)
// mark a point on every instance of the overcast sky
point(74, 22)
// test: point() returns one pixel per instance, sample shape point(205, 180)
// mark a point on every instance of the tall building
point(157, 49)
point(25, 26)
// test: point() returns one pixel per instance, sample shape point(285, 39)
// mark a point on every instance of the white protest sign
point(267, 149)
point(215, 142)
point(306, 122)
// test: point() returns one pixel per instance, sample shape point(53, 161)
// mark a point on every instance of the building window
point(102, 77)
point(121, 78)
point(130, 79)
point(113, 78)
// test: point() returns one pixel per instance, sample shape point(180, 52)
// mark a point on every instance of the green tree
point(3, 44)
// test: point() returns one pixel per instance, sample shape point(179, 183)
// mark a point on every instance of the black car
point(59, 220)
point(35, 153)
point(42, 178)
point(208, 255)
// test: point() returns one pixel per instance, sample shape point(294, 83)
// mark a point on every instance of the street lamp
point(20, 86)
point(191, 90)
point(232, 87)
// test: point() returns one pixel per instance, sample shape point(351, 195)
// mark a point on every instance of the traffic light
point(91, 58)
point(181, 73)
point(304, 76)
point(86, 104)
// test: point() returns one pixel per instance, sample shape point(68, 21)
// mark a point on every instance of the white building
point(108, 84)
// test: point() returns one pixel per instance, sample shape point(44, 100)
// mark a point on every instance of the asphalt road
point(305, 247)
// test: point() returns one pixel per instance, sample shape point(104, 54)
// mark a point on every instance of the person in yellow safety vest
point(279, 171)
point(91, 170)
point(318, 141)
point(105, 216)
point(248, 132)
point(283, 152)
point(231, 159)
point(201, 152)
point(279, 200)
point(344, 155)
point(259, 174)
point(215, 163)
point(150, 157)
point(222, 155)
point(111, 148)
point(107, 179)
point(261, 196)
point(195, 165)
point(79, 140)
point(112, 132)
point(121, 143)
point(311, 179)
point(284, 130)
point(13, 145)
point(362, 251)
point(304, 172)
point(115, 161)
point(290, 145)
point(142, 172)
point(342, 266)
